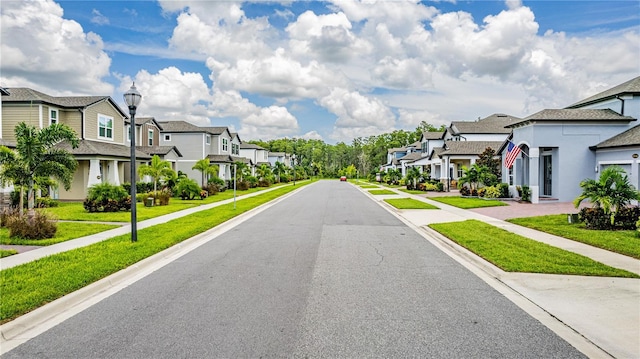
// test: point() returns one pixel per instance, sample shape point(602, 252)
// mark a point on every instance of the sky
point(332, 70)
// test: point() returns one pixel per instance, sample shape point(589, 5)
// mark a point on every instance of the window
point(150, 138)
point(460, 174)
point(235, 149)
point(208, 140)
point(128, 129)
point(53, 116)
point(225, 145)
point(167, 137)
point(105, 127)
point(425, 146)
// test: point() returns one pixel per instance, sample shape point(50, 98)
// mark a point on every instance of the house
point(103, 154)
point(464, 141)
point(399, 158)
point(562, 147)
point(428, 141)
point(148, 141)
point(256, 154)
point(281, 157)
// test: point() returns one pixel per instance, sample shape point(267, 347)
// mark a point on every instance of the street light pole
point(294, 168)
point(132, 98)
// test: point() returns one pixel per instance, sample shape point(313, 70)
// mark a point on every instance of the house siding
point(12, 115)
point(91, 122)
point(191, 145)
point(73, 119)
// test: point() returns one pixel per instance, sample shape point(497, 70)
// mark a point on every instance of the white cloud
point(269, 123)
point(411, 119)
point(275, 76)
point(171, 94)
point(312, 135)
point(402, 74)
point(42, 50)
point(98, 18)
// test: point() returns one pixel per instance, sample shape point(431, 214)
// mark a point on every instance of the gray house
point(561, 147)
point(196, 143)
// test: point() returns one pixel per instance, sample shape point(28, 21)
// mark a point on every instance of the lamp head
point(132, 97)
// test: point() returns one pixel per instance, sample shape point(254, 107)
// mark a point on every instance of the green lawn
point(466, 203)
point(65, 232)
point(409, 203)
point(623, 242)
point(514, 253)
point(412, 191)
point(381, 191)
point(31, 285)
point(368, 186)
point(7, 252)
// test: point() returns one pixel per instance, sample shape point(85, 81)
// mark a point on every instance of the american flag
point(512, 153)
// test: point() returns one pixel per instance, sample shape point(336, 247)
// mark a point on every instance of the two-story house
point(464, 141)
point(281, 157)
point(148, 141)
point(103, 154)
point(562, 147)
point(256, 154)
point(428, 142)
point(197, 143)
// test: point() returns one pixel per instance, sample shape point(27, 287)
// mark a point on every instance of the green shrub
point(105, 197)
point(491, 192)
point(264, 183)
point(433, 186)
point(41, 226)
point(526, 194)
point(596, 218)
point(480, 192)
point(188, 189)
point(6, 213)
point(211, 188)
point(253, 181)
point(217, 182)
point(465, 191)
point(504, 190)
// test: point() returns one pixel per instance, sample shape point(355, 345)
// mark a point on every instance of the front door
point(547, 168)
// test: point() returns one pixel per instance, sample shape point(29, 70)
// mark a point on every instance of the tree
point(264, 172)
point(243, 170)
point(36, 155)
point(610, 192)
point(206, 168)
point(489, 159)
point(157, 170)
point(476, 175)
point(279, 169)
point(413, 175)
point(350, 171)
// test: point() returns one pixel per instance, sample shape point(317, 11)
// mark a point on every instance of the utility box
point(573, 218)
point(148, 202)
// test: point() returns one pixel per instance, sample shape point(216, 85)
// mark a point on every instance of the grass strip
point(622, 242)
point(412, 191)
point(466, 203)
point(514, 253)
point(368, 186)
point(409, 203)
point(31, 285)
point(65, 232)
point(381, 191)
point(7, 252)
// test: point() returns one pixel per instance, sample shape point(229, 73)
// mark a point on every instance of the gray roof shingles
point(630, 87)
point(468, 147)
point(563, 115)
point(628, 138)
point(492, 124)
point(95, 148)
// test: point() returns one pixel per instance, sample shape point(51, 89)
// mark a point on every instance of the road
point(326, 272)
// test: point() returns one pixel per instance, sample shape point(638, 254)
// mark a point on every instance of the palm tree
point(36, 156)
point(157, 170)
point(206, 168)
point(394, 175)
point(610, 192)
point(279, 169)
point(413, 174)
point(243, 170)
point(263, 172)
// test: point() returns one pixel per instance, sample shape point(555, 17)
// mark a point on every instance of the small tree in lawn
point(157, 170)
point(611, 192)
point(489, 159)
point(36, 155)
point(413, 175)
point(206, 168)
point(279, 169)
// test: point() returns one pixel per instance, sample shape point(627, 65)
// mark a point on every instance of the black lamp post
point(132, 98)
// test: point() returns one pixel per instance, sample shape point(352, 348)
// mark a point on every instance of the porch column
point(94, 173)
point(445, 173)
point(113, 175)
point(534, 174)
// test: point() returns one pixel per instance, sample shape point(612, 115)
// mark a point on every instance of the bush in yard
point(40, 227)
point(504, 190)
point(480, 192)
point(6, 213)
point(243, 185)
point(465, 191)
point(188, 189)
point(219, 183)
point(491, 192)
point(211, 189)
point(105, 197)
point(253, 181)
point(597, 218)
point(161, 198)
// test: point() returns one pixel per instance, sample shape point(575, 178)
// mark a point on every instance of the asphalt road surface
point(325, 273)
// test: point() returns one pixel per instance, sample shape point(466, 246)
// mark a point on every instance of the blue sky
point(327, 70)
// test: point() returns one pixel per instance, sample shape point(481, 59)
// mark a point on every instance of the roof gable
point(574, 115)
point(493, 124)
point(630, 87)
point(628, 138)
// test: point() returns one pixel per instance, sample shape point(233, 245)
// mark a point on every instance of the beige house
point(104, 151)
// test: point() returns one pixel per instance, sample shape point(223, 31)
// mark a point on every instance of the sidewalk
point(604, 311)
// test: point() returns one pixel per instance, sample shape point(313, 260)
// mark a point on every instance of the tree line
point(367, 154)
